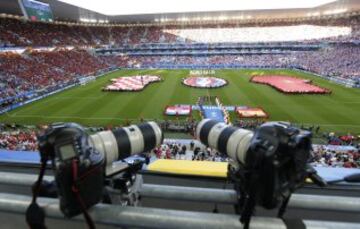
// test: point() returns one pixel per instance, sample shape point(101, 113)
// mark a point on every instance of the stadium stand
point(322, 61)
point(71, 45)
point(16, 32)
point(33, 71)
point(321, 156)
point(331, 53)
point(19, 140)
point(340, 151)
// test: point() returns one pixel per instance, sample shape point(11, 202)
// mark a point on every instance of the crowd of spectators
point(333, 60)
point(20, 140)
point(22, 75)
point(190, 152)
point(49, 68)
point(323, 157)
point(15, 32)
point(340, 151)
point(12, 86)
point(250, 124)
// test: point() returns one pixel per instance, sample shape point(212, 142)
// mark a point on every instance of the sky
point(134, 7)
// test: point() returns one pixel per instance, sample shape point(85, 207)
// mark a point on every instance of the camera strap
point(35, 215)
point(80, 200)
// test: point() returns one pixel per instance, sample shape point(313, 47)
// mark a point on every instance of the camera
point(266, 165)
point(81, 162)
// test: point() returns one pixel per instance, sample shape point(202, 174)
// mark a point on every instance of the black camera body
point(266, 165)
point(83, 166)
point(78, 167)
point(275, 164)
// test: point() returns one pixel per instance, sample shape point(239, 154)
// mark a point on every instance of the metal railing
point(142, 217)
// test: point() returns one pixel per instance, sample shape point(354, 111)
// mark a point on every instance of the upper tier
point(14, 32)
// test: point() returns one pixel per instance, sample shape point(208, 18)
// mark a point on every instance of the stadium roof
point(157, 11)
point(136, 7)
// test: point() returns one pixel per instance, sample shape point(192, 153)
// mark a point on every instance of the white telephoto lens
point(124, 142)
point(232, 141)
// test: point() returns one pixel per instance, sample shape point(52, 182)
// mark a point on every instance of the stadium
point(241, 65)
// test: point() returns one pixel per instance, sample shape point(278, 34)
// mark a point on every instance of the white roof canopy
point(136, 7)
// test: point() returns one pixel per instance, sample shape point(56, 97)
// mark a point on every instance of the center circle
point(204, 82)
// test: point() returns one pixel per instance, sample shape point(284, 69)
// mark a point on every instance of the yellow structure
point(184, 167)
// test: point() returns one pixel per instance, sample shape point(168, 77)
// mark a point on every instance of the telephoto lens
point(270, 162)
point(124, 142)
point(232, 141)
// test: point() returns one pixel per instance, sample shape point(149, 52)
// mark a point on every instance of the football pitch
point(89, 105)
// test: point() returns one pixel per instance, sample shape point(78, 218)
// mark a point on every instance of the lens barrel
point(230, 140)
point(124, 142)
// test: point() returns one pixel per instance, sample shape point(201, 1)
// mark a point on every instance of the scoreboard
point(36, 11)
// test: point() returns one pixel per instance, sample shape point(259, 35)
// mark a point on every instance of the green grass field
point(88, 105)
